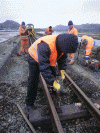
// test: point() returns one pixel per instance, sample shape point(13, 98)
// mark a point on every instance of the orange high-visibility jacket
point(73, 31)
point(88, 46)
point(22, 34)
point(48, 32)
point(51, 41)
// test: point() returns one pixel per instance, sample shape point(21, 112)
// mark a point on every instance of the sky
point(45, 13)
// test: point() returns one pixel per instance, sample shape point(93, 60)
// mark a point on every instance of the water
point(5, 35)
point(97, 42)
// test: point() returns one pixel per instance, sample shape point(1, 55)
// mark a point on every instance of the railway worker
point(49, 31)
point(88, 43)
point(74, 31)
point(24, 38)
point(42, 57)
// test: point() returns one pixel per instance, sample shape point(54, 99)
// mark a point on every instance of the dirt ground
point(13, 87)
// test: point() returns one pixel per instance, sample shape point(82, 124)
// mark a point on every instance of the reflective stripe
point(72, 59)
point(31, 34)
point(32, 53)
point(35, 51)
point(89, 44)
point(86, 55)
point(88, 50)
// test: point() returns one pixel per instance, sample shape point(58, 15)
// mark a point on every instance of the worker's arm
point(75, 32)
point(62, 65)
point(21, 31)
point(44, 63)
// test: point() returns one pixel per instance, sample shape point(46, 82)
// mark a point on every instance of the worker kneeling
point(88, 43)
point(42, 57)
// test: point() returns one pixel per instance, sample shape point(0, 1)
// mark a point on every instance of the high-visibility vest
point(48, 32)
point(21, 30)
point(73, 31)
point(89, 45)
point(51, 41)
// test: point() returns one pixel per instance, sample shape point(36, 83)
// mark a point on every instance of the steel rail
point(55, 118)
point(84, 99)
point(26, 119)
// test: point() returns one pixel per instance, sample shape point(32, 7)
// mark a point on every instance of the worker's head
point(23, 24)
point(67, 43)
point(50, 27)
point(84, 42)
point(70, 24)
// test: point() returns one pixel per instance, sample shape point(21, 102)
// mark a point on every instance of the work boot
point(30, 108)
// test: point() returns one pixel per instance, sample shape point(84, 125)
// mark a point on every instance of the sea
point(6, 34)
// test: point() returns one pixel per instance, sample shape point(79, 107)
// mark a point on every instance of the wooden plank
point(68, 112)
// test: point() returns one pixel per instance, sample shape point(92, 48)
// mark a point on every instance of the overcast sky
point(43, 13)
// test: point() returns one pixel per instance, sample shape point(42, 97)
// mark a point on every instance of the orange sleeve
point(75, 32)
point(20, 31)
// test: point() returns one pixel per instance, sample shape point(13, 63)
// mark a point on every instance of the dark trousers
point(32, 81)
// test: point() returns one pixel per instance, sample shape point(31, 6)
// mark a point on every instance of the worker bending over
point(42, 57)
point(74, 31)
point(88, 43)
point(23, 38)
point(49, 31)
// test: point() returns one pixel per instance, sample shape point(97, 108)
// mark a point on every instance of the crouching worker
point(42, 57)
point(88, 43)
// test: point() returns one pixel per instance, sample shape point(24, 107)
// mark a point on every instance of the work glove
point(62, 74)
point(56, 85)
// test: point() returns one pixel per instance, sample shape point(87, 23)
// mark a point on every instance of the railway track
point(58, 107)
point(90, 109)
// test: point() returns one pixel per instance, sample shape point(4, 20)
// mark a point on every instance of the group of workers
point(48, 52)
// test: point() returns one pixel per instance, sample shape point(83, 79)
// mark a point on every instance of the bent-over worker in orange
point(43, 56)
